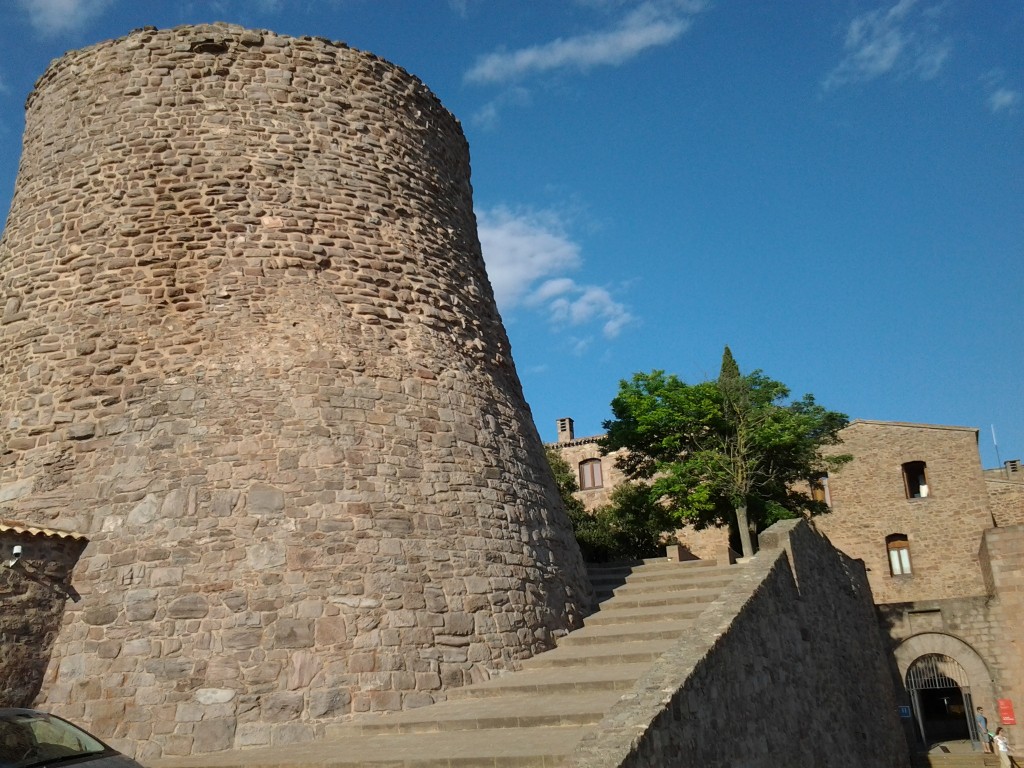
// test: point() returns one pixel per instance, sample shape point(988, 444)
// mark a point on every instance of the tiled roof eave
point(16, 527)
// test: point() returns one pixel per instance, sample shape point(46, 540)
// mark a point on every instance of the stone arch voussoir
point(983, 690)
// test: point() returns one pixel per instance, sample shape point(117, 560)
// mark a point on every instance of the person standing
point(983, 735)
point(1002, 748)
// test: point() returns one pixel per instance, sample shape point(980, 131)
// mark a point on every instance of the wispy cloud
point(652, 23)
point(56, 17)
point(488, 116)
point(529, 256)
point(902, 39)
point(1003, 98)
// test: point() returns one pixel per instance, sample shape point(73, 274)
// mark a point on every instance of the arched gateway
point(944, 678)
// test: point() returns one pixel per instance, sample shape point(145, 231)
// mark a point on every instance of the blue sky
point(834, 188)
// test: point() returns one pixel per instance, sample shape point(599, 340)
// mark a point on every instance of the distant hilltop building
point(251, 355)
point(943, 543)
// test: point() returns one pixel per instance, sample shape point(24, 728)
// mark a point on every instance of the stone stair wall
point(775, 662)
point(537, 715)
point(787, 669)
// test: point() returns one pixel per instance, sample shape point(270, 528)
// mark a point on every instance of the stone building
point(943, 545)
point(598, 475)
point(249, 349)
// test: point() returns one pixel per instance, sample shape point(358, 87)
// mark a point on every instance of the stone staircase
point(965, 760)
point(534, 717)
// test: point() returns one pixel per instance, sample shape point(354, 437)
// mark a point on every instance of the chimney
point(565, 430)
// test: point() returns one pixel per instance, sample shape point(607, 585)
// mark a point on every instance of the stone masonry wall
point(787, 669)
point(944, 530)
point(1006, 500)
point(1003, 555)
point(33, 592)
point(249, 348)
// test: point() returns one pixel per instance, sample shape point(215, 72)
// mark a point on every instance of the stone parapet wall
point(250, 349)
point(787, 669)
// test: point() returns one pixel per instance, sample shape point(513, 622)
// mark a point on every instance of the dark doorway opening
point(941, 696)
point(944, 714)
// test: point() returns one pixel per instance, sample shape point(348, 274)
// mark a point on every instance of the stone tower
point(248, 348)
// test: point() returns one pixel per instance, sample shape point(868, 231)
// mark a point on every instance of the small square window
point(915, 480)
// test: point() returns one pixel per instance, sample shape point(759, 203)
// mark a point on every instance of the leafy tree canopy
point(733, 450)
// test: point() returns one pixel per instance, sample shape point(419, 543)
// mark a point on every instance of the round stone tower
point(249, 349)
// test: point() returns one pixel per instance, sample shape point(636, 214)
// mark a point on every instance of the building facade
point(943, 544)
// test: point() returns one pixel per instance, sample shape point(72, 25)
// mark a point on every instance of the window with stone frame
point(590, 474)
point(915, 479)
point(820, 491)
point(898, 551)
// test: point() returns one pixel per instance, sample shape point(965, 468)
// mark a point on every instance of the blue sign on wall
point(905, 712)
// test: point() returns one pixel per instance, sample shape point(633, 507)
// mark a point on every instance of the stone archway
point(980, 689)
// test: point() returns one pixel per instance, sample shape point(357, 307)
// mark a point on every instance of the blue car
point(31, 739)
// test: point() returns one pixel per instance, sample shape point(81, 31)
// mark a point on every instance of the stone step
point(552, 710)
point(596, 634)
point(601, 653)
point(485, 748)
point(967, 760)
point(709, 577)
point(645, 614)
point(676, 579)
point(556, 680)
point(652, 564)
point(655, 597)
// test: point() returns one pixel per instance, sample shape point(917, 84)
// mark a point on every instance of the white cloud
point(577, 305)
point(520, 249)
point(1003, 98)
point(652, 23)
point(528, 256)
point(55, 17)
point(488, 115)
point(901, 39)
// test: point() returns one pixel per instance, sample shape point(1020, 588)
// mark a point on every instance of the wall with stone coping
point(248, 346)
point(787, 668)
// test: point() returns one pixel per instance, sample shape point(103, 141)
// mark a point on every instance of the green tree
point(733, 450)
point(634, 522)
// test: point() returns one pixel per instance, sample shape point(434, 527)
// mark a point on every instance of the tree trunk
point(744, 528)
